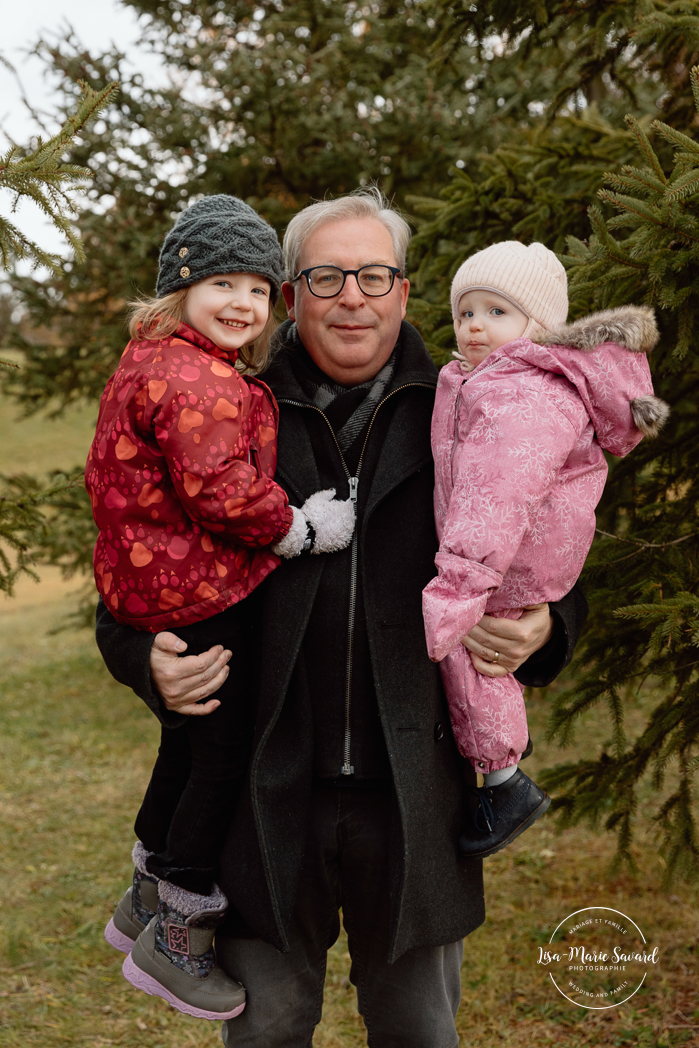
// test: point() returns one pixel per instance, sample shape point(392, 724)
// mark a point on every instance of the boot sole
point(536, 814)
point(118, 939)
point(142, 981)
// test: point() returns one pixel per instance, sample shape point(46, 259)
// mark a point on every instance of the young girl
point(519, 427)
point(190, 521)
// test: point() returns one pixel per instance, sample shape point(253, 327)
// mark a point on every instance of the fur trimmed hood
point(632, 327)
point(604, 356)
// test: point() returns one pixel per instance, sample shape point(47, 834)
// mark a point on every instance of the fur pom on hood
point(604, 356)
point(649, 415)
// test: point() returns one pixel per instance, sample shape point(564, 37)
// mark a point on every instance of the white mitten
point(332, 520)
point(293, 542)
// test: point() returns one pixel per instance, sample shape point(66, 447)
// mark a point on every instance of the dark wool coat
point(437, 897)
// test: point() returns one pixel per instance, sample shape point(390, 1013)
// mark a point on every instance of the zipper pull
point(353, 485)
point(253, 457)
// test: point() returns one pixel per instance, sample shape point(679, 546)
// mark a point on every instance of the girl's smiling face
point(231, 308)
point(485, 322)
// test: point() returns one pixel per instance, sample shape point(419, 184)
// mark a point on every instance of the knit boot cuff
point(139, 855)
point(188, 903)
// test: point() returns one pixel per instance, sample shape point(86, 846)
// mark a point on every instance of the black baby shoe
point(501, 814)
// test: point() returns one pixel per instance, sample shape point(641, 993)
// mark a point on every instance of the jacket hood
point(604, 356)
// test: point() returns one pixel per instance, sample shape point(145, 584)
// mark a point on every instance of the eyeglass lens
point(326, 281)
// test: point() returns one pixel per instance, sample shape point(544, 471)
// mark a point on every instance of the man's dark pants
point(409, 1004)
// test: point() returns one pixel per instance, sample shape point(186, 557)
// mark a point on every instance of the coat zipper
point(353, 481)
point(347, 768)
point(253, 457)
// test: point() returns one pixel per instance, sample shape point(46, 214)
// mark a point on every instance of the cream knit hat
point(531, 277)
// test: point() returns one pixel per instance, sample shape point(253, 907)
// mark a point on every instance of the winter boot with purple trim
point(173, 957)
point(136, 907)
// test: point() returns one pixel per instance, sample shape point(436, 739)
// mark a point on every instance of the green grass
point(38, 444)
point(75, 756)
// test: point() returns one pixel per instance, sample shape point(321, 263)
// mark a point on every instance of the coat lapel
point(296, 464)
point(406, 451)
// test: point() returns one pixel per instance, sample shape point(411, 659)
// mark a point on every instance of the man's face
point(349, 337)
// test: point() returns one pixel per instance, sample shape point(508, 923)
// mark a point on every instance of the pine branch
point(23, 523)
point(613, 249)
point(44, 177)
point(647, 545)
point(645, 146)
point(671, 134)
point(684, 186)
point(632, 178)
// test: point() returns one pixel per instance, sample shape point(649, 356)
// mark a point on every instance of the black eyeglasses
point(328, 281)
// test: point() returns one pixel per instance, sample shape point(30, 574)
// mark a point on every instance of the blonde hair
point(362, 203)
point(156, 318)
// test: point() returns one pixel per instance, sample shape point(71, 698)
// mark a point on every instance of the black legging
point(198, 776)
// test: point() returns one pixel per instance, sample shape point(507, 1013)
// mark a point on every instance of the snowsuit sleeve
point(212, 447)
point(508, 451)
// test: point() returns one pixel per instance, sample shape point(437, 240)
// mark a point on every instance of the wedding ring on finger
point(496, 659)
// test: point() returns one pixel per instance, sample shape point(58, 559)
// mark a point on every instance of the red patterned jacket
point(180, 476)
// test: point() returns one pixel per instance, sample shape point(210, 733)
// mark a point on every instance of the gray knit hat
point(219, 234)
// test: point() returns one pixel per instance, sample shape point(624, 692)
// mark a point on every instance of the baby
point(520, 424)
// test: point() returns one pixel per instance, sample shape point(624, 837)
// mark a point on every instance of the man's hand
point(513, 640)
point(181, 682)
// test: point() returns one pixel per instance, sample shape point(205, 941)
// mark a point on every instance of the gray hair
point(363, 203)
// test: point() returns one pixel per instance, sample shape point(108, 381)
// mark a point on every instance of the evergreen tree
point(278, 104)
point(639, 243)
point(43, 175)
point(600, 50)
point(582, 66)
point(642, 573)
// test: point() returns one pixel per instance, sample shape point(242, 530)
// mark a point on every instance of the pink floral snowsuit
point(519, 469)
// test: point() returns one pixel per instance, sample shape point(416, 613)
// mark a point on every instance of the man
point(356, 791)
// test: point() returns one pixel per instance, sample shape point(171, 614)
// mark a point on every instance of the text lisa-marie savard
point(614, 960)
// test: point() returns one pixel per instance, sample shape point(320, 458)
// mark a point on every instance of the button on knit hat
point(219, 234)
point(531, 277)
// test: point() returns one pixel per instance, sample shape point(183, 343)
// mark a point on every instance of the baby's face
point(485, 322)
